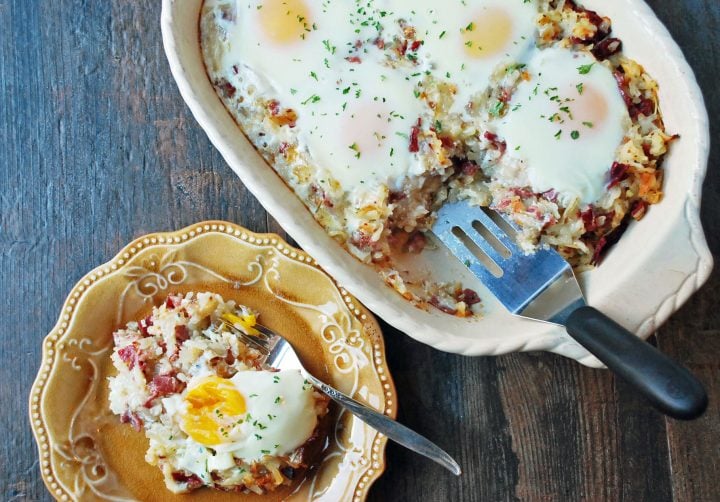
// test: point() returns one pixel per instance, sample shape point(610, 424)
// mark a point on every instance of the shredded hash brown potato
point(179, 380)
point(461, 160)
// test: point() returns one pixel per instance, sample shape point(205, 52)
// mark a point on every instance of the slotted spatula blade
point(542, 286)
point(539, 286)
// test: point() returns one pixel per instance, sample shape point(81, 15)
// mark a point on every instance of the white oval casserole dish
point(647, 276)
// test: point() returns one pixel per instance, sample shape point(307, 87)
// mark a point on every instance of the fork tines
point(259, 342)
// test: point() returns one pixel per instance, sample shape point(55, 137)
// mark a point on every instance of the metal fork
point(541, 286)
point(279, 354)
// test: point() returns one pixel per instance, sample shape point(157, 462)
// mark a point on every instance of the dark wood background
point(97, 147)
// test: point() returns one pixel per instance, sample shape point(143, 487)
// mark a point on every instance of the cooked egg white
point(252, 414)
point(565, 124)
point(465, 42)
point(356, 100)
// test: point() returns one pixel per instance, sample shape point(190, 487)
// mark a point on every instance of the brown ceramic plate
point(86, 454)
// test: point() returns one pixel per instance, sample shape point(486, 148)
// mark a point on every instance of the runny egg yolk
point(284, 21)
point(488, 34)
point(366, 129)
point(213, 406)
point(590, 109)
point(247, 321)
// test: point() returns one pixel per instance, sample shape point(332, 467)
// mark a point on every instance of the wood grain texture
point(97, 147)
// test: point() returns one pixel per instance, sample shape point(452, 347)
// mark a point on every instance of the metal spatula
point(542, 286)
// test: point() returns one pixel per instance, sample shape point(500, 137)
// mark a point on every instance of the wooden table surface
point(97, 147)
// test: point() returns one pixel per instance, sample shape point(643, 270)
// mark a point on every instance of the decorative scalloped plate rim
point(62, 329)
point(646, 277)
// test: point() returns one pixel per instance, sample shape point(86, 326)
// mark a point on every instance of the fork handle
point(668, 386)
point(392, 429)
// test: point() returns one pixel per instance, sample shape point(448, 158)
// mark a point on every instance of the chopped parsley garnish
point(497, 108)
point(585, 69)
point(579, 88)
point(514, 67)
point(329, 47)
point(312, 99)
point(575, 134)
point(354, 147)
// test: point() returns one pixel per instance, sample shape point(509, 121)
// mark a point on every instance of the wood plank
point(97, 147)
point(694, 457)
point(456, 402)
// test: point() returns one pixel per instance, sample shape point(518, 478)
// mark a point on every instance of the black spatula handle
point(670, 387)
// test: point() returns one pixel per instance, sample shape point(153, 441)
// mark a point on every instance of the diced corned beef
point(435, 302)
point(599, 247)
point(607, 241)
point(414, 137)
point(447, 141)
point(416, 45)
point(638, 209)
point(469, 296)
point(622, 86)
point(497, 144)
point(550, 195)
point(192, 480)
point(607, 48)
point(618, 172)
point(396, 197)
point(144, 324)
point(535, 211)
point(603, 27)
point(361, 240)
point(133, 419)
point(173, 301)
point(273, 107)
point(469, 168)
point(163, 385)
point(589, 219)
point(181, 334)
point(523, 193)
point(353, 59)
point(132, 357)
point(403, 48)
point(226, 88)
point(644, 107)
point(549, 222)
point(416, 243)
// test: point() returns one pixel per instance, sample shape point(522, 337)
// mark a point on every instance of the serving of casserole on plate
point(559, 94)
point(139, 346)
